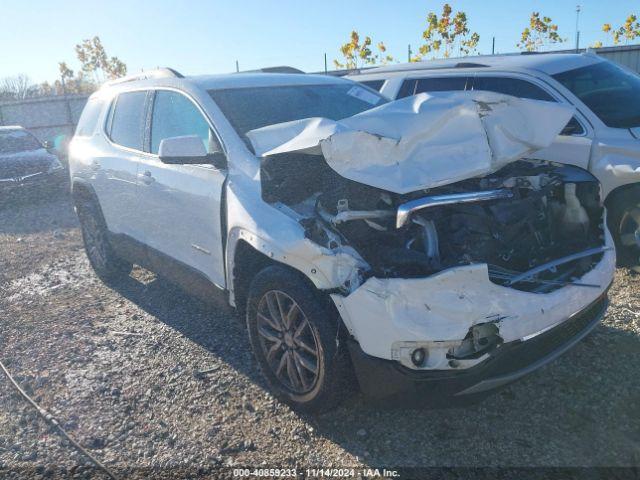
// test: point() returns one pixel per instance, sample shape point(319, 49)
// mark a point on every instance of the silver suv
point(411, 242)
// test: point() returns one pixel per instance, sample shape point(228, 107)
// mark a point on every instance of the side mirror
point(188, 150)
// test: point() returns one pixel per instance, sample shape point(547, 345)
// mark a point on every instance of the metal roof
point(274, 76)
point(244, 80)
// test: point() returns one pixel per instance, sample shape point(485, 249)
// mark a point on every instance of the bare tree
point(17, 87)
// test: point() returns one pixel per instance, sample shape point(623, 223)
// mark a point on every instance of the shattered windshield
point(16, 141)
point(251, 108)
point(611, 92)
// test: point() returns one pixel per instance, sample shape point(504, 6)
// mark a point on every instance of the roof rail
point(278, 69)
point(422, 65)
point(470, 65)
point(157, 73)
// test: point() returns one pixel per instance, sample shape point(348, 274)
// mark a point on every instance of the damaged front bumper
point(387, 382)
point(441, 315)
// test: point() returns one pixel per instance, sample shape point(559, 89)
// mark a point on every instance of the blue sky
point(208, 36)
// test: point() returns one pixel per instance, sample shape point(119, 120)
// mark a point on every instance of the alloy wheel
point(94, 241)
point(630, 230)
point(289, 342)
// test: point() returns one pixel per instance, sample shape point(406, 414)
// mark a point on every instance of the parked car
point(26, 164)
point(407, 241)
point(603, 136)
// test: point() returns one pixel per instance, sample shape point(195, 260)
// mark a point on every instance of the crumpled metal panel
point(423, 141)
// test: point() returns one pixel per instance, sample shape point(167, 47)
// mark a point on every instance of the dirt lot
point(119, 368)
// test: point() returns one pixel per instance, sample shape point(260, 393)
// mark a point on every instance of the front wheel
point(296, 339)
point(624, 224)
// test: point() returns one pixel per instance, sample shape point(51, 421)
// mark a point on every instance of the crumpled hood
point(423, 141)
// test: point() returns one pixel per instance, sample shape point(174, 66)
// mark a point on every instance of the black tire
point(624, 220)
point(107, 265)
point(312, 392)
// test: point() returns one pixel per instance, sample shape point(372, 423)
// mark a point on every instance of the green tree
point(74, 84)
point(65, 72)
point(629, 30)
point(358, 54)
point(94, 61)
point(448, 34)
point(95, 67)
point(540, 32)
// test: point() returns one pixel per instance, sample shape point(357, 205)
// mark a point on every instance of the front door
point(181, 204)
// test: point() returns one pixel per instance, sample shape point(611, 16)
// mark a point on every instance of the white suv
point(603, 137)
point(407, 241)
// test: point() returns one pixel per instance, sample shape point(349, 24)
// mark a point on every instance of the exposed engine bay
point(435, 235)
point(537, 225)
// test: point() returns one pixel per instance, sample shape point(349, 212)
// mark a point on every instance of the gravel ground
point(120, 369)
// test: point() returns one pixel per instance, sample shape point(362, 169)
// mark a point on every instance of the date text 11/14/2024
point(316, 472)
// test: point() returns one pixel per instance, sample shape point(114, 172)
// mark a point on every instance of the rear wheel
point(624, 223)
point(295, 338)
point(107, 265)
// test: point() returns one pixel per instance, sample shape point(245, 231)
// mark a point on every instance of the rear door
point(181, 204)
point(572, 145)
point(114, 169)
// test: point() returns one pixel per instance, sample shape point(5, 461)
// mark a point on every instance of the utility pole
point(325, 63)
point(493, 46)
point(577, 28)
point(66, 102)
point(237, 66)
point(409, 52)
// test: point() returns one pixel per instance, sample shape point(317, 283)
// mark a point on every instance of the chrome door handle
point(146, 177)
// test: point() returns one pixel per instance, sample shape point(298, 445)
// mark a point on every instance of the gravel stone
point(135, 402)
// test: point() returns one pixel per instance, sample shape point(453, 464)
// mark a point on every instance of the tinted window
point(511, 86)
point(127, 125)
point(523, 89)
point(174, 115)
point(407, 89)
point(109, 120)
point(15, 141)
point(573, 128)
point(375, 84)
point(440, 84)
point(251, 108)
point(435, 84)
point(611, 92)
point(89, 118)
